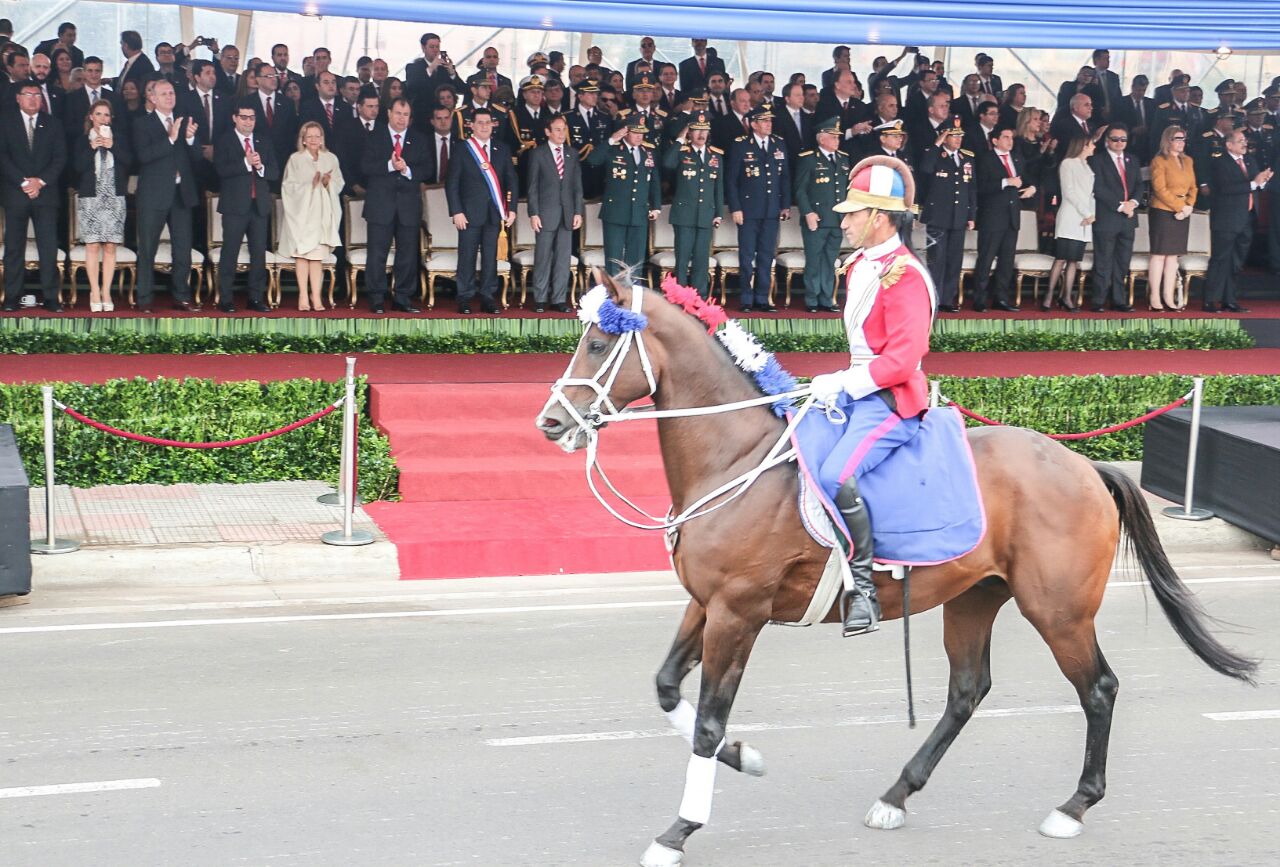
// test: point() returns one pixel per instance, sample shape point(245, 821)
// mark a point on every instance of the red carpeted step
point(522, 477)
point(447, 404)
point(517, 537)
point(411, 439)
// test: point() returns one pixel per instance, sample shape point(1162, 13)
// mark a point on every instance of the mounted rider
point(888, 314)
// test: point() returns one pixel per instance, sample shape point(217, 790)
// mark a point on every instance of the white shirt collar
point(826, 154)
point(884, 248)
point(393, 133)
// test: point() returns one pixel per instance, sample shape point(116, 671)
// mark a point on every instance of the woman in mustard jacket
point(1173, 198)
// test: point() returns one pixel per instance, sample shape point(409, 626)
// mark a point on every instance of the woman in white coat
point(1074, 225)
point(309, 191)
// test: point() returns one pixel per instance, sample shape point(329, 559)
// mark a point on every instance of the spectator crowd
point(127, 168)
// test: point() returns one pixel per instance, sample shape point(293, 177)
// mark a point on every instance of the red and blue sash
point(490, 177)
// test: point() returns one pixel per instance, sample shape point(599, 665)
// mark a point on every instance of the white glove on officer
point(826, 387)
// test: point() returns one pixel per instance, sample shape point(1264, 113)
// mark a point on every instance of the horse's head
point(610, 368)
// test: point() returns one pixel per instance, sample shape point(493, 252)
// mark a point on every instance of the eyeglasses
point(1117, 139)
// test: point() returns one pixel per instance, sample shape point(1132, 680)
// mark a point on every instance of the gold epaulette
point(1164, 105)
point(1267, 126)
point(804, 153)
point(966, 153)
point(659, 112)
point(714, 150)
point(646, 144)
point(1216, 155)
point(741, 138)
point(895, 272)
point(1209, 134)
point(624, 112)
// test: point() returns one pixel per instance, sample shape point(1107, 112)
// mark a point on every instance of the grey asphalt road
point(362, 731)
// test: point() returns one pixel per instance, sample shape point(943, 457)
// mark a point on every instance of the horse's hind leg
point(1075, 647)
point(967, 621)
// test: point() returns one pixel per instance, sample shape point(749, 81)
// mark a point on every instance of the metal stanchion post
point(1186, 512)
point(935, 394)
point(348, 537)
point(51, 544)
point(334, 498)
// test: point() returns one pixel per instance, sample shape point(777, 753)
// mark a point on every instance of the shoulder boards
point(715, 150)
point(684, 149)
point(624, 112)
point(1267, 126)
point(1216, 154)
point(646, 144)
point(659, 112)
point(804, 153)
point(966, 153)
point(741, 138)
point(1164, 105)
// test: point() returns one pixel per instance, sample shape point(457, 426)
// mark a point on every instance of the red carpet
point(542, 368)
point(486, 494)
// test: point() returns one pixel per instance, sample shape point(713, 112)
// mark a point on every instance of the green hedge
point(1072, 404)
point(463, 342)
point(197, 410)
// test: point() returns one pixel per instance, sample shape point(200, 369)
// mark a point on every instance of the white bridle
point(602, 411)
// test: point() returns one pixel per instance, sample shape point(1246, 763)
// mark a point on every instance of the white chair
point(214, 236)
point(968, 261)
point(523, 240)
point(790, 256)
point(283, 263)
point(592, 241)
point(1196, 262)
point(357, 232)
point(441, 259)
point(78, 256)
point(1028, 261)
point(724, 250)
point(1140, 261)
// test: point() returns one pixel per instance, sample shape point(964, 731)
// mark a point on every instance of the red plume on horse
point(1053, 525)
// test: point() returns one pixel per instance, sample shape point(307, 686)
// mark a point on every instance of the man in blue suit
point(758, 192)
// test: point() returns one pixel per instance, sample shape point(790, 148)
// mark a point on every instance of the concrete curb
point(1191, 537)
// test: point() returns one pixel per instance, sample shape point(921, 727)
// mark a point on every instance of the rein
point(603, 411)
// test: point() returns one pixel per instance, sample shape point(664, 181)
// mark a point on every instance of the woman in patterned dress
point(102, 168)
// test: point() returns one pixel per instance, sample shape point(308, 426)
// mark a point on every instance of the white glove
point(826, 387)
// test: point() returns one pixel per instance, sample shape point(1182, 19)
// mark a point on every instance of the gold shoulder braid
point(894, 274)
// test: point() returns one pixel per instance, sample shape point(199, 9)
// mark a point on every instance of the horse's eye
point(595, 347)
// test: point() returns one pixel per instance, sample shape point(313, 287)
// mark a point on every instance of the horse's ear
point(619, 291)
point(600, 278)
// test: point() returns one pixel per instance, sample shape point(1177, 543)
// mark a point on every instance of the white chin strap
point(602, 382)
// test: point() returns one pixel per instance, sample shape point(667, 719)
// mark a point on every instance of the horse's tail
point(1185, 614)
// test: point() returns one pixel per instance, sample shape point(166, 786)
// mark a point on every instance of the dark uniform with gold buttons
point(585, 137)
point(948, 191)
point(1208, 146)
point(654, 117)
point(697, 203)
point(631, 192)
point(1259, 132)
point(758, 187)
point(822, 179)
point(527, 131)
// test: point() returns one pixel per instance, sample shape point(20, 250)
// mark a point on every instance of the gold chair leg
point(75, 266)
point(431, 290)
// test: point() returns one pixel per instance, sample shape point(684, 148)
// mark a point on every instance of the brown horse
point(1053, 526)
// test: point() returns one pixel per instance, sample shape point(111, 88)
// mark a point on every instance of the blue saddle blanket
point(923, 499)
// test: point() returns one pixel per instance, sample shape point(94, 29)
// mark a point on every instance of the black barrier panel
point(15, 525)
point(1237, 468)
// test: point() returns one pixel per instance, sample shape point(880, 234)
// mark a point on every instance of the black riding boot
point(859, 607)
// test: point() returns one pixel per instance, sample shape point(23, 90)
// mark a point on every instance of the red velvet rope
point(177, 444)
point(1086, 434)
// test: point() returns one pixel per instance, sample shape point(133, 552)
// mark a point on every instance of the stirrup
point(860, 626)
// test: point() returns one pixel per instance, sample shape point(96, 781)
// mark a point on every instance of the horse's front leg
point(728, 637)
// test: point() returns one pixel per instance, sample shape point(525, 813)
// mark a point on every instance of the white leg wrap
point(1060, 826)
point(699, 785)
point(682, 719)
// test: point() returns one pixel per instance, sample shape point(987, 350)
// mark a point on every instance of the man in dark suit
point(793, 123)
point(482, 190)
point(277, 119)
point(949, 192)
point(33, 153)
point(555, 212)
point(394, 164)
point(1138, 112)
point(1108, 84)
point(988, 82)
point(968, 103)
point(633, 71)
point(924, 133)
point(441, 145)
point(352, 139)
point(1117, 186)
point(213, 112)
point(1072, 123)
point(1237, 184)
point(425, 75)
point(694, 70)
point(246, 167)
point(67, 41)
point(488, 69)
point(50, 97)
point(78, 101)
point(17, 70)
point(844, 101)
point(725, 130)
point(326, 108)
point(977, 139)
point(162, 142)
point(228, 70)
point(137, 66)
point(280, 65)
point(1000, 188)
point(1085, 82)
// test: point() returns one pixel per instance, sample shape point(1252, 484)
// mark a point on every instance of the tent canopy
point(1244, 24)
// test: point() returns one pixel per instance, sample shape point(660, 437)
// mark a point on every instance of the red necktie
point(702, 66)
point(44, 103)
point(1124, 182)
point(328, 110)
point(1008, 166)
point(1244, 171)
point(444, 159)
point(746, 126)
point(396, 148)
point(271, 114)
point(253, 185)
point(559, 162)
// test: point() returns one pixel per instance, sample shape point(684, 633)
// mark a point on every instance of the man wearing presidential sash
point(481, 189)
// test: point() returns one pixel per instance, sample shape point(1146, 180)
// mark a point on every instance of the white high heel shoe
point(95, 307)
point(108, 307)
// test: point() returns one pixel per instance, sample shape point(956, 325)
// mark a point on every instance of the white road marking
point(79, 788)
point(1222, 579)
point(641, 734)
point(1238, 715)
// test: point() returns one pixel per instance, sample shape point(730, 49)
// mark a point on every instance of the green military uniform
point(820, 183)
point(631, 190)
point(697, 204)
point(655, 119)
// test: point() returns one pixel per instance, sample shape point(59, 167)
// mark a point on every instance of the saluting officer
point(632, 195)
point(697, 205)
point(589, 129)
point(949, 191)
point(758, 192)
point(642, 96)
point(822, 180)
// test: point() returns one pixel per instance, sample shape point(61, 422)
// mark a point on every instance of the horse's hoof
point(658, 855)
point(885, 817)
point(1060, 826)
point(751, 760)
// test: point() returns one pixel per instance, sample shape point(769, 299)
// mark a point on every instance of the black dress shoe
point(1007, 308)
point(1097, 308)
point(745, 308)
point(378, 308)
point(11, 308)
point(185, 306)
point(488, 305)
point(539, 308)
point(464, 308)
point(226, 308)
point(143, 311)
point(52, 307)
point(1235, 308)
point(831, 308)
point(406, 308)
point(1211, 308)
point(560, 308)
point(1123, 308)
point(768, 308)
point(979, 308)
point(950, 308)
point(258, 307)
point(811, 310)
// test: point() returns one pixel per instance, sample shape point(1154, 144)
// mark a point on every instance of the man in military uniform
point(948, 189)
point(697, 203)
point(479, 97)
point(1177, 112)
point(642, 96)
point(1207, 146)
point(758, 191)
point(528, 124)
point(1259, 132)
point(890, 138)
point(589, 128)
point(632, 195)
point(822, 179)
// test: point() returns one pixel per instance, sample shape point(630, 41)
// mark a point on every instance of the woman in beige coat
point(312, 210)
